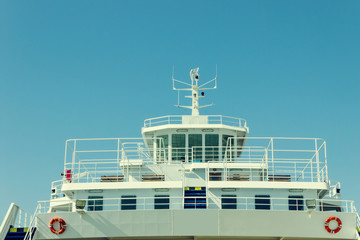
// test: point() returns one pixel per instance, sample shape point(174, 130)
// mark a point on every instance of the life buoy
point(62, 225)
point(327, 223)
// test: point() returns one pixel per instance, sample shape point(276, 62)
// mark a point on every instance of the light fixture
point(228, 189)
point(95, 191)
point(161, 189)
point(310, 203)
point(296, 190)
point(181, 130)
point(80, 204)
point(207, 130)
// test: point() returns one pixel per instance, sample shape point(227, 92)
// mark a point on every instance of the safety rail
point(32, 225)
point(15, 218)
point(357, 219)
point(209, 119)
point(278, 159)
point(208, 202)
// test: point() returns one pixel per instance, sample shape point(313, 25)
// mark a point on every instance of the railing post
point(317, 162)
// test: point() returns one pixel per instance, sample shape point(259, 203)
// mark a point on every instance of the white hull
point(198, 224)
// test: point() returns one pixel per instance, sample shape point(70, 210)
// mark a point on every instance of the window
point(262, 202)
point(195, 147)
point(228, 201)
point(96, 204)
point(212, 147)
point(178, 147)
point(161, 202)
point(195, 197)
point(128, 202)
point(296, 203)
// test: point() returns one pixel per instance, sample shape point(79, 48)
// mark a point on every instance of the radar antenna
point(194, 88)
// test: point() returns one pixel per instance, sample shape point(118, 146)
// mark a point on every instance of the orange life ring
point(339, 224)
point(62, 225)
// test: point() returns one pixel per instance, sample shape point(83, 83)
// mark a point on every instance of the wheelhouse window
point(161, 202)
point(95, 203)
point(195, 147)
point(296, 203)
point(262, 202)
point(212, 147)
point(178, 147)
point(128, 202)
point(228, 201)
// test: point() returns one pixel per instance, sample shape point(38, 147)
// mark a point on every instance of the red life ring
point(62, 225)
point(339, 224)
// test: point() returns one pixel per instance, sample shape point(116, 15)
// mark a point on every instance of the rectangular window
point(228, 201)
point(178, 147)
point(262, 202)
point(195, 197)
point(296, 203)
point(161, 202)
point(96, 204)
point(128, 202)
point(212, 147)
point(195, 147)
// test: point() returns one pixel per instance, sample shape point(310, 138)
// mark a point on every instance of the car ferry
point(191, 177)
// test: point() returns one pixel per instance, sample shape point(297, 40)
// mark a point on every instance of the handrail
point(30, 231)
point(213, 202)
point(89, 159)
point(15, 217)
point(9, 220)
point(211, 119)
point(357, 218)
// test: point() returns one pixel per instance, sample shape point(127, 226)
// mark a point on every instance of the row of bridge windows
point(195, 143)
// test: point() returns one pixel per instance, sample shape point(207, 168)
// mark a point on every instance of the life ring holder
point(327, 223)
point(62, 225)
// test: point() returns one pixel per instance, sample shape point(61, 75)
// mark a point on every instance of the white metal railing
point(218, 202)
point(278, 159)
point(357, 219)
point(15, 217)
point(211, 119)
point(32, 225)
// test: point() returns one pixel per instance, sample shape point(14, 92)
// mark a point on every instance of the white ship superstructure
point(192, 177)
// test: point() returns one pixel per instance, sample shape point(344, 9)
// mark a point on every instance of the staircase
point(18, 233)
point(15, 224)
point(357, 221)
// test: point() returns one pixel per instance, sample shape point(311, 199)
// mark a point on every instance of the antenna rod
point(194, 76)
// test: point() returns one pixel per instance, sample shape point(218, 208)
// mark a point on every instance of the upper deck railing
point(262, 159)
point(214, 202)
point(207, 119)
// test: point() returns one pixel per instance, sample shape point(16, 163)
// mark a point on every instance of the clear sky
point(81, 69)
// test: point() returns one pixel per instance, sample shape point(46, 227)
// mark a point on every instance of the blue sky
point(81, 69)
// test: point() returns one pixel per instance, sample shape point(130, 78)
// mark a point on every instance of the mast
point(195, 88)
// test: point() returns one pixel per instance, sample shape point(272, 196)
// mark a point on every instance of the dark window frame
point(296, 203)
point(162, 202)
point(128, 202)
point(262, 202)
point(228, 201)
point(95, 203)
